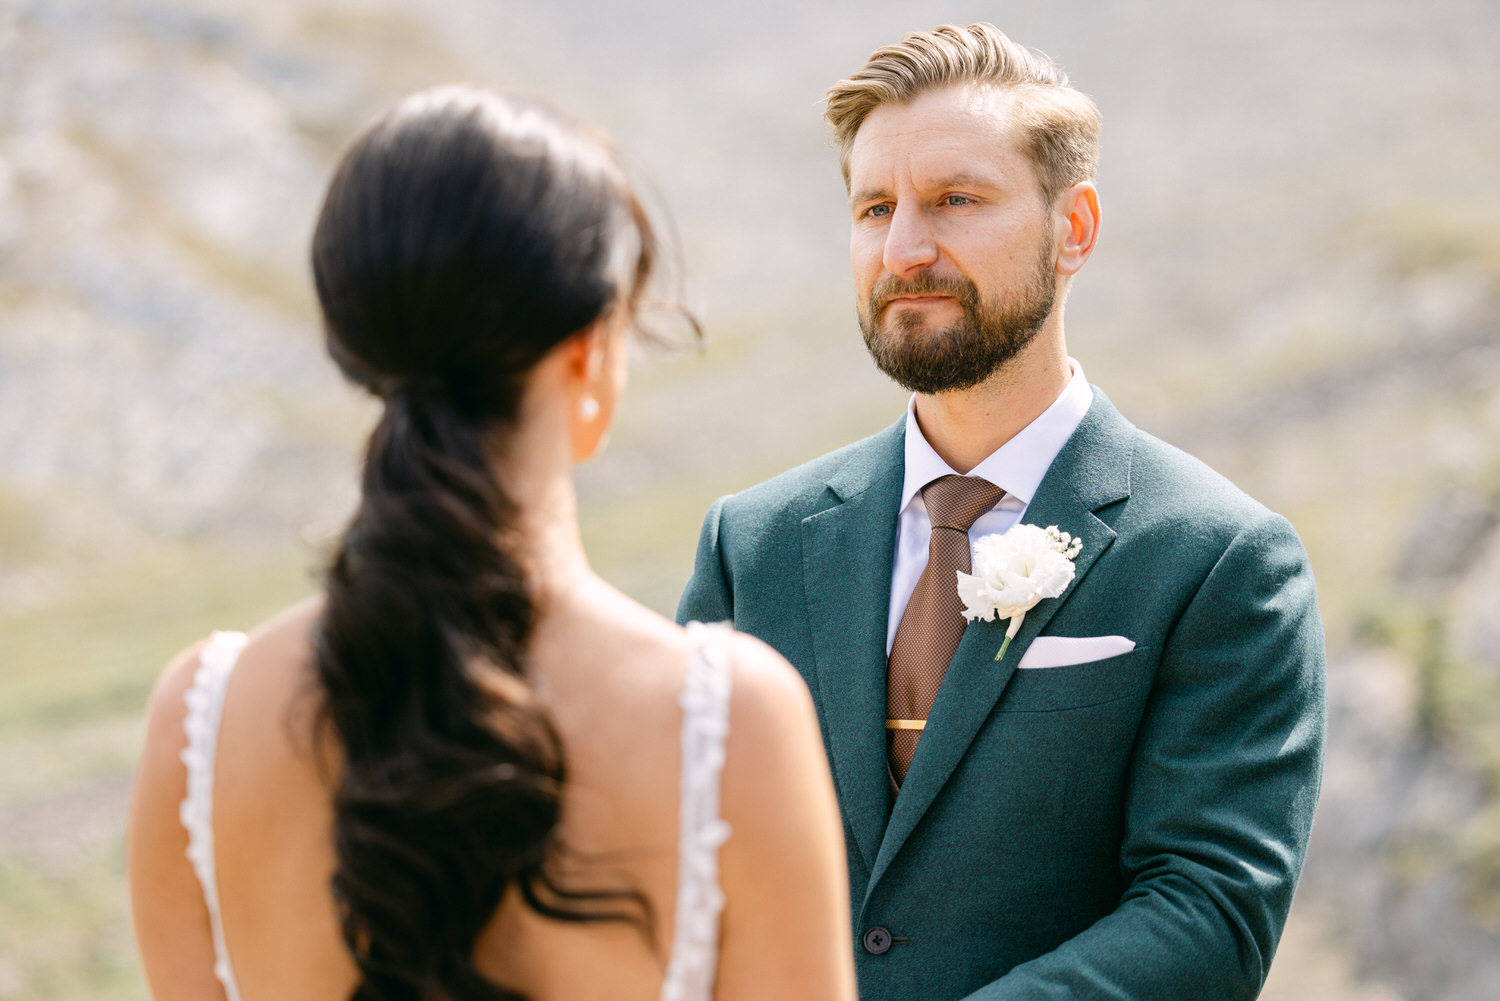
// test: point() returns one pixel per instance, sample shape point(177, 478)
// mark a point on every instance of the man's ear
point(1078, 221)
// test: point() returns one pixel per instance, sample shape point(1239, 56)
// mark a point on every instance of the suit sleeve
point(707, 598)
point(1223, 781)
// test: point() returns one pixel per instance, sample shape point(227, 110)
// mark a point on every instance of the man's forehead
point(960, 131)
point(981, 108)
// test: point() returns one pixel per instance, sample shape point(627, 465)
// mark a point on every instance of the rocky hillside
point(1297, 280)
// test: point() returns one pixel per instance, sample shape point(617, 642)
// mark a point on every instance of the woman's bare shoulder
point(769, 699)
point(269, 677)
point(786, 840)
point(273, 701)
point(286, 637)
point(774, 750)
point(649, 661)
point(172, 683)
point(285, 641)
point(166, 711)
point(602, 646)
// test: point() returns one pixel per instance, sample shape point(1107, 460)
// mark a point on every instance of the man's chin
point(922, 319)
point(921, 372)
point(928, 383)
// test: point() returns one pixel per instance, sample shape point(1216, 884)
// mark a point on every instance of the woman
point(471, 769)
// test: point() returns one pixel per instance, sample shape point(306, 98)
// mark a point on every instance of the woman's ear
point(594, 366)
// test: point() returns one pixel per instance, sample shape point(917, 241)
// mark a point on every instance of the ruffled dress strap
point(205, 706)
point(700, 900)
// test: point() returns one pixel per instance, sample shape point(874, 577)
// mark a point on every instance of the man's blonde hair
point(1057, 125)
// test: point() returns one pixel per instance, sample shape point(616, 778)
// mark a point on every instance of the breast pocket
point(1050, 689)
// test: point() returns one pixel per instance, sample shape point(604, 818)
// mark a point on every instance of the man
point(1119, 805)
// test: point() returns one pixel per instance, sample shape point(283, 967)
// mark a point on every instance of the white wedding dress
point(705, 724)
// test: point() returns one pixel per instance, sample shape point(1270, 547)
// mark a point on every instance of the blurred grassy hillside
point(1297, 281)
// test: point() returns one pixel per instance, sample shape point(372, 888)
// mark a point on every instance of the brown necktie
point(933, 622)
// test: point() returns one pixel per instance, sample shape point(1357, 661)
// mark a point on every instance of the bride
point(471, 769)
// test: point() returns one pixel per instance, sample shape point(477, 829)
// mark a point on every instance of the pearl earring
point(588, 409)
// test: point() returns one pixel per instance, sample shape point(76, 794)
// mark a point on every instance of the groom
point(1118, 807)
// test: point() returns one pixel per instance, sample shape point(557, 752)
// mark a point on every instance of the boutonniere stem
point(1014, 571)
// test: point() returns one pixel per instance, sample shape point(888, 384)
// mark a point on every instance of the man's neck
point(966, 426)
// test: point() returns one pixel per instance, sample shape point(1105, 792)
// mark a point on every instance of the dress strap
point(205, 706)
point(700, 899)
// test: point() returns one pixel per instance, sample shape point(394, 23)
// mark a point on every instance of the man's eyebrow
point(951, 181)
point(965, 181)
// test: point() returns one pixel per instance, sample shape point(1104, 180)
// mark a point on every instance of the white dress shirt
point(1017, 467)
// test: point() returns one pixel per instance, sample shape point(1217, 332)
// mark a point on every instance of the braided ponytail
point(463, 237)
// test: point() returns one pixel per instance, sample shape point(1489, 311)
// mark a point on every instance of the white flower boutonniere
point(1014, 571)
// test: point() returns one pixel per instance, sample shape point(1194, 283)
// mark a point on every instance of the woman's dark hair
point(464, 236)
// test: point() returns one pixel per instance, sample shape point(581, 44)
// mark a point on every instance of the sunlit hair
point(465, 235)
point(1058, 126)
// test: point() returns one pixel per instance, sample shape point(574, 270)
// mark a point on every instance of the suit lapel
point(847, 552)
point(1091, 472)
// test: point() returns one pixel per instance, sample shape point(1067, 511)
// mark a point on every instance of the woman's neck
point(535, 469)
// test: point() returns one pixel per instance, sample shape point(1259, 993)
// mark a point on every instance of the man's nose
point(910, 245)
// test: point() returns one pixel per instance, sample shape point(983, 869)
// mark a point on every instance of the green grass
point(66, 934)
point(96, 652)
point(77, 674)
point(1457, 702)
point(78, 671)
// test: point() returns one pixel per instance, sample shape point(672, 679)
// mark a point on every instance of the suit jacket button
point(877, 941)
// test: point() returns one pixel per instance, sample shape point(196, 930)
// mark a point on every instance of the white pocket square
point(1064, 651)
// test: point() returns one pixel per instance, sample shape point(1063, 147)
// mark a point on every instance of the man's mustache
point(923, 283)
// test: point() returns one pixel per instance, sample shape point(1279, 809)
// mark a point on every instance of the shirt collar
point(1017, 467)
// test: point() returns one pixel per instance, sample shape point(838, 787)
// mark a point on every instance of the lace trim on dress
point(205, 704)
point(705, 725)
point(700, 900)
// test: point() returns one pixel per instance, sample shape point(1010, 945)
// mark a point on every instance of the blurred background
point(1296, 281)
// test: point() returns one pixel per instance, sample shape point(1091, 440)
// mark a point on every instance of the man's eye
point(878, 211)
point(957, 200)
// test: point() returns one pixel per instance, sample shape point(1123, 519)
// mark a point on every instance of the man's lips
point(917, 300)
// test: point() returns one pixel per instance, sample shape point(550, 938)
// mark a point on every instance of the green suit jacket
point(1127, 828)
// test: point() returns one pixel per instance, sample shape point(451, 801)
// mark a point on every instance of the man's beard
point(964, 353)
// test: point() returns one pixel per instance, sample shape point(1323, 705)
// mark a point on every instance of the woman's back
point(611, 675)
point(460, 766)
